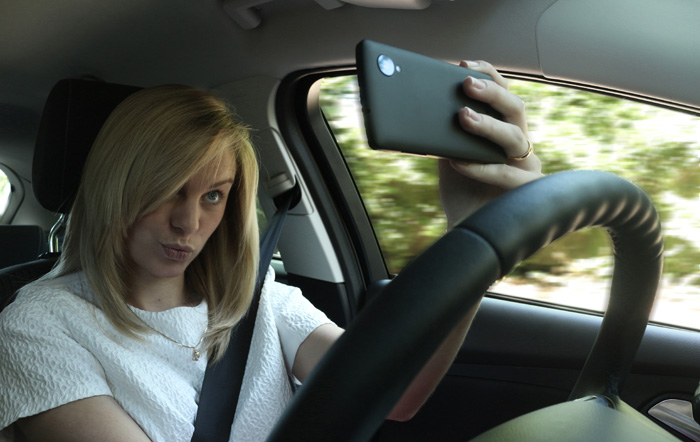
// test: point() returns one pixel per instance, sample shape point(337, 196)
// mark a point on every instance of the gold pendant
point(195, 354)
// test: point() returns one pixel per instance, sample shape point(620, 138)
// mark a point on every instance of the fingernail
point(471, 64)
point(475, 116)
point(478, 84)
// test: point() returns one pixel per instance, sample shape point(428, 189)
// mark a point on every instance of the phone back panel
point(415, 109)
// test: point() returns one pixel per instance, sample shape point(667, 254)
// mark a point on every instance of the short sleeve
point(42, 365)
point(295, 316)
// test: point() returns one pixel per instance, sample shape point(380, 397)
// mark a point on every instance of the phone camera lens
point(386, 65)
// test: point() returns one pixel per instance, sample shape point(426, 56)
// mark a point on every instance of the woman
point(159, 264)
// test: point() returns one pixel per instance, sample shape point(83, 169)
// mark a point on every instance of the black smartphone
point(410, 104)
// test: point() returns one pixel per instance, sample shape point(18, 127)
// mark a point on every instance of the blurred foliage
point(655, 148)
point(4, 183)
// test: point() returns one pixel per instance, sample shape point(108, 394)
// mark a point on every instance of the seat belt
point(223, 379)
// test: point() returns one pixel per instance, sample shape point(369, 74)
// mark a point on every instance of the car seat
point(20, 243)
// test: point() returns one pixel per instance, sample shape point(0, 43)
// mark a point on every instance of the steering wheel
point(348, 395)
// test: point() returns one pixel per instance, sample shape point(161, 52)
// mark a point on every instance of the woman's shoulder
point(273, 288)
point(289, 304)
point(44, 299)
point(74, 283)
point(281, 296)
point(41, 343)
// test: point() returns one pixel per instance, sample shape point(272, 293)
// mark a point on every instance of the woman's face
point(164, 242)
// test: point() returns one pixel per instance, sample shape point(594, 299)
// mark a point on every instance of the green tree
point(399, 191)
point(657, 149)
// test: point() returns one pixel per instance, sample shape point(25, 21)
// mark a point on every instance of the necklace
point(195, 352)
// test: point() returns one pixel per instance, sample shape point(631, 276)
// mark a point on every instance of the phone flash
point(386, 65)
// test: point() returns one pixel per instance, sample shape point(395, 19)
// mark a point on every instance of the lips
point(177, 252)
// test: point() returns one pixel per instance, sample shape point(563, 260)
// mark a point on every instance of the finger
point(509, 136)
point(485, 68)
point(500, 175)
point(510, 106)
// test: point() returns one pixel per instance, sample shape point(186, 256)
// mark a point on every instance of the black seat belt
point(223, 380)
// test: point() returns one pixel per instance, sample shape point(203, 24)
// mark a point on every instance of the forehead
point(218, 169)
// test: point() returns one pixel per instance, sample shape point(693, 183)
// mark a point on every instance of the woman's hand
point(465, 187)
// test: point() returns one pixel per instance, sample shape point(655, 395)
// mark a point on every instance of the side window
point(658, 149)
point(5, 191)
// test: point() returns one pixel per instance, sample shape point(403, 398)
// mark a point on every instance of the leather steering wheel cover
point(357, 383)
point(529, 218)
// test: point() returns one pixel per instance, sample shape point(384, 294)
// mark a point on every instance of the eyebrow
point(222, 182)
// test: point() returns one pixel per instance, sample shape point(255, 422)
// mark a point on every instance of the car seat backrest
point(73, 115)
point(21, 244)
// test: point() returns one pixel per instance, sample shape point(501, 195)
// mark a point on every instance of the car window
point(656, 148)
point(5, 188)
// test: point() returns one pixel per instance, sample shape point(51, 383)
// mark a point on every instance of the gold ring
point(525, 155)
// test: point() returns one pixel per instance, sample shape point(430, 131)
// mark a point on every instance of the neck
point(158, 294)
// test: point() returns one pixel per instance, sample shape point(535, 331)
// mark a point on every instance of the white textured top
point(56, 346)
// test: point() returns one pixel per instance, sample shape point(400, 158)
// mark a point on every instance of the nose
point(185, 215)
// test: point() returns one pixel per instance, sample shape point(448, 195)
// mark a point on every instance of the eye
point(214, 197)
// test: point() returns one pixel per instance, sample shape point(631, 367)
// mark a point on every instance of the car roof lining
point(196, 43)
point(647, 50)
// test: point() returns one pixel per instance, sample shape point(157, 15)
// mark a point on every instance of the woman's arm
point(98, 418)
point(464, 188)
point(320, 340)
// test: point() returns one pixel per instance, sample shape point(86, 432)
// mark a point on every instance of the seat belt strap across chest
point(223, 379)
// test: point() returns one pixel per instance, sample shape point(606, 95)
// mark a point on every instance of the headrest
point(74, 113)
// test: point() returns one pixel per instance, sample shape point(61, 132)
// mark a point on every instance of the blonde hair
point(149, 147)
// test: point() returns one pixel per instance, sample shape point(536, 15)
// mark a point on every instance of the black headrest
point(74, 112)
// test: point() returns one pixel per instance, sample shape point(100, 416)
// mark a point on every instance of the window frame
point(16, 197)
point(320, 162)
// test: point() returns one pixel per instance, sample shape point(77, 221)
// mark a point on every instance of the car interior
point(592, 375)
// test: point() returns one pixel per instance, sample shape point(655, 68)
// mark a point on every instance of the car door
point(521, 353)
